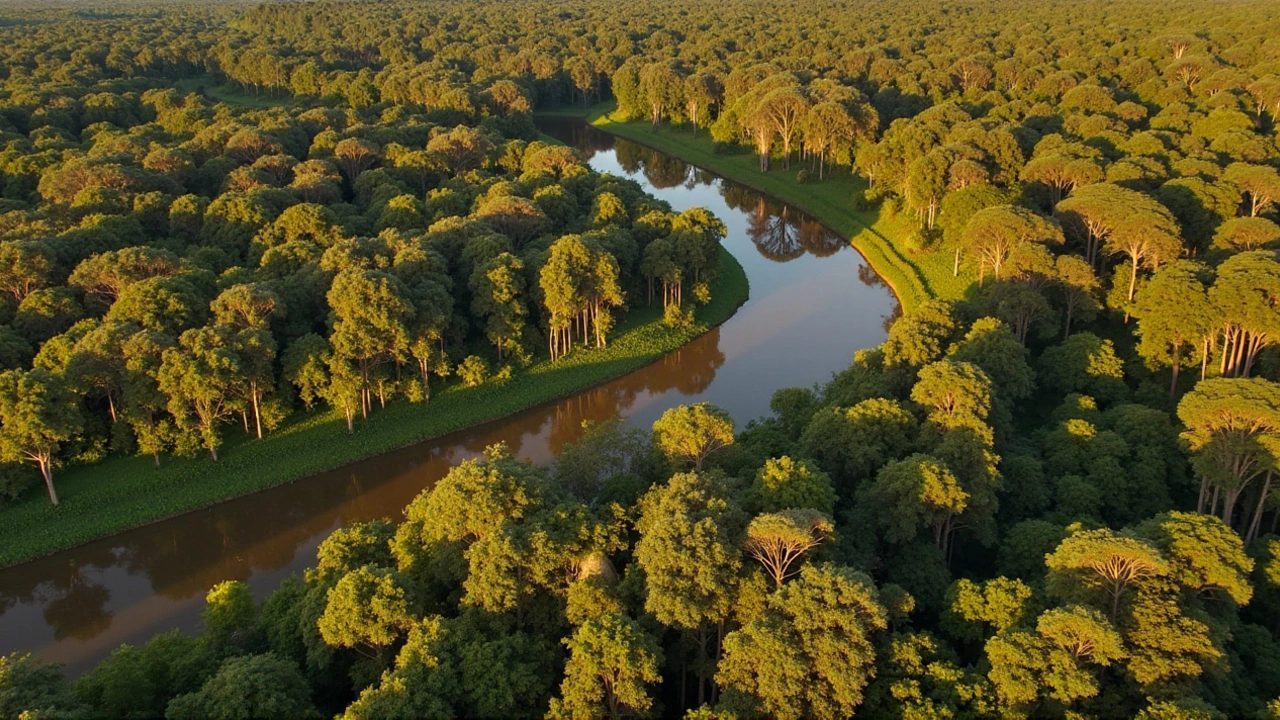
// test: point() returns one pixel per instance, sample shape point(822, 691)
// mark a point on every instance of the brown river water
point(814, 301)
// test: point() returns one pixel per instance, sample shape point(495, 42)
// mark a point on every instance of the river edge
point(913, 278)
point(733, 279)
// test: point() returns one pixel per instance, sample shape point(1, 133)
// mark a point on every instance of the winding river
point(814, 301)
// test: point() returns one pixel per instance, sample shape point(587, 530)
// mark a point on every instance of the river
point(814, 301)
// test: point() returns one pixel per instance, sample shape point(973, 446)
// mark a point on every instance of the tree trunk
point(257, 417)
point(47, 473)
point(1177, 363)
point(1133, 278)
point(1256, 524)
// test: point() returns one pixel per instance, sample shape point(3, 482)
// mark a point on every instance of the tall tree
point(612, 662)
point(38, 413)
point(810, 653)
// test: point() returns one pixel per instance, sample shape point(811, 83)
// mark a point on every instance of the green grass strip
point(120, 493)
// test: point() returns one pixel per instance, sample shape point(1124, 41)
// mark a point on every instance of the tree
point(1079, 287)
point(365, 610)
point(1246, 299)
point(690, 433)
point(662, 88)
point(24, 268)
point(371, 313)
point(1246, 233)
point(228, 617)
point(1233, 431)
point(247, 306)
point(1084, 363)
point(917, 491)
point(463, 148)
point(29, 688)
point(785, 484)
point(1148, 234)
point(612, 661)
point(246, 687)
point(579, 284)
point(1260, 182)
point(980, 610)
point(497, 288)
point(105, 275)
point(421, 685)
point(356, 155)
point(690, 535)
point(992, 348)
point(199, 377)
point(1048, 663)
point(701, 91)
point(37, 414)
point(853, 443)
point(1104, 562)
point(809, 654)
point(785, 109)
point(777, 540)
point(957, 394)
point(920, 337)
point(1175, 316)
point(995, 232)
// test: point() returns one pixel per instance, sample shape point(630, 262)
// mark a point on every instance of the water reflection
point(803, 321)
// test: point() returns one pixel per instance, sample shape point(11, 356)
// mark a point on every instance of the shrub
point(473, 371)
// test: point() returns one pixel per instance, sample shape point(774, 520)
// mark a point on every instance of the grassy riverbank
point(913, 277)
point(124, 492)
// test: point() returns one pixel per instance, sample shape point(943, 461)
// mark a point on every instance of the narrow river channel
point(814, 301)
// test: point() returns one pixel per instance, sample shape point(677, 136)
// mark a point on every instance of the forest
point(1053, 491)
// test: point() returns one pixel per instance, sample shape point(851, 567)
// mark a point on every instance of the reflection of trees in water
point(688, 371)
point(892, 317)
point(817, 239)
point(739, 197)
point(576, 134)
point(869, 277)
point(664, 171)
point(81, 612)
point(70, 590)
point(661, 170)
point(774, 233)
point(703, 177)
point(630, 156)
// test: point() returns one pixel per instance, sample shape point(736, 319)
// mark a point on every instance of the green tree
point(810, 653)
point(198, 377)
point(612, 661)
point(247, 687)
point(689, 433)
point(784, 484)
point(1102, 562)
point(690, 535)
point(1175, 316)
point(853, 443)
point(777, 540)
point(497, 294)
point(38, 413)
point(1233, 431)
point(994, 233)
point(29, 688)
point(366, 610)
point(914, 492)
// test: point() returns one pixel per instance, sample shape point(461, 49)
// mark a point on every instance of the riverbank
point(914, 278)
point(121, 493)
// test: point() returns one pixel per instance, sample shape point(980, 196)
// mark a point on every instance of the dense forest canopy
point(1055, 496)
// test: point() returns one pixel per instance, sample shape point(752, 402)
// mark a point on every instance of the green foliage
point(810, 653)
point(247, 687)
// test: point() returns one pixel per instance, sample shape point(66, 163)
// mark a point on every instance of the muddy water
point(814, 301)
